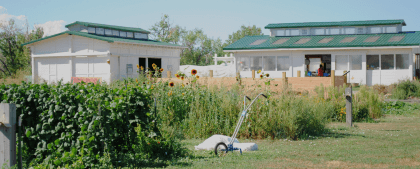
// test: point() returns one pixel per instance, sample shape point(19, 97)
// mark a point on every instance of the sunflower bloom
point(183, 94)
point(137, 81)
point(177, 76)
point(171, 84)
point(141, 67)
point(261, 76)
point(154, 66)
point(161, 69)
point(138, 66)
point(193, 71)
point(267, 75)
point(259, 71)
point(183, 85)
point(170, 93)
point(197, 77)
point(182, 77)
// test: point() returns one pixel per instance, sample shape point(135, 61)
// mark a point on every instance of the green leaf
point(91, 138)
point(28, 133)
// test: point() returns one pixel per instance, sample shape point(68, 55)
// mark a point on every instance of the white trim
point(71, 54)
point(344, 48)
point(145, 56)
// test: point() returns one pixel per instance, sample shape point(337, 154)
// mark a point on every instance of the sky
point(217, 18)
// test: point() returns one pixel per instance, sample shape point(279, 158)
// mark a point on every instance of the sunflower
point(170, 93)
point(259, 71)
point(151, 87)
point(171, 84)
point(177, 76)
point(183, 85)
point(161, 69)
point(138, 66)
point(261, 76)
point(193, 71)
point(183, 94)
point(198, 77)
point(154, 66)
point(182, 77)
point(267, 75)
point(137, 81)
point(141, 67)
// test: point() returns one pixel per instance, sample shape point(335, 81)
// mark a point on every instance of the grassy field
point(392, 142)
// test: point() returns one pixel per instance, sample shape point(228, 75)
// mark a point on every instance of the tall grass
point(406, 89)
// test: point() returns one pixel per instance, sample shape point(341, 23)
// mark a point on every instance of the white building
point(375, 52)
point(99, 50)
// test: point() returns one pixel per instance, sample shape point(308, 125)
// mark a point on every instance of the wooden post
point(298, 73)
point(238, 77)
point(345, 78)
point(284, 78)
point(349, 118)
point(333, 78)
point(168, 74)
point(211, 73)
point(253, 74)
point(7, 134)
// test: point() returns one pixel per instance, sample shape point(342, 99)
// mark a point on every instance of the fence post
point(211, 73)
point(345, 78)
point(298, 73)
point(253, 74)
point(7, 134)
point(349, 95)
point(333, 78)
point(238, 77)
point(284, 78)
point(168, 74)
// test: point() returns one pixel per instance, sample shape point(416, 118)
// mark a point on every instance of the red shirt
point(320, 72)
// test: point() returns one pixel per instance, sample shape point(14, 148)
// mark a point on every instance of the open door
point(157, 61)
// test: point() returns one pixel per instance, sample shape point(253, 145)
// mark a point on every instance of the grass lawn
point(393, 142)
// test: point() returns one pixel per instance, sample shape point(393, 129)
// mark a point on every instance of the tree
point(15, 56)
point(164, 31)
point(244, 31)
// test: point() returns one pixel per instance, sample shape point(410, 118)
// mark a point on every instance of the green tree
point(242, 32)
point(164, 31)
point(15, 56)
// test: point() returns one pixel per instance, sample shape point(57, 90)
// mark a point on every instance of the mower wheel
point(220, 149)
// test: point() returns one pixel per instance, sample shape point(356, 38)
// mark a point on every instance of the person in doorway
point(320, 71)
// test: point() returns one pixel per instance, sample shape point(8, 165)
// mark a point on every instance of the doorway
point(142, 62)
point(314, 61)
point(157, 61)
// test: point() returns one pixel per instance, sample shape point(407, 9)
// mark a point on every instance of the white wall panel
point(52, 70)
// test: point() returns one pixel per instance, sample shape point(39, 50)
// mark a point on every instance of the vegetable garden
point(117, 125)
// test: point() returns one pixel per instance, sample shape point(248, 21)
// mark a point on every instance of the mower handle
point(264, 95)
point(248, 98)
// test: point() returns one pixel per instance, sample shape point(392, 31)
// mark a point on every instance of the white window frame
point(90, 28)
point(345, 30)
point(314, 31)
point(277, 69)
point(386, 27)
point(370, 29)
point(307, 32)
point(363, 30)
point(329, 31)
point(277, 32)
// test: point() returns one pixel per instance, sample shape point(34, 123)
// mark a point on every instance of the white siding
point(87, 45)
point(92, 66)
point(59, 44)
point(52, 70)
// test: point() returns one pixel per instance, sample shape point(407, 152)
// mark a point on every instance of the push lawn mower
point(221, 148)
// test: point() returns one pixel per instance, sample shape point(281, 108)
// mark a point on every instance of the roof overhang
point(307, 49)
point(143, 44)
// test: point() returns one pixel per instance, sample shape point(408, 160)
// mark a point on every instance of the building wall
point(364, 76)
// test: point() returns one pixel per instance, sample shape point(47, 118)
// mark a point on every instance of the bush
point(406, 89)
point(399, 108)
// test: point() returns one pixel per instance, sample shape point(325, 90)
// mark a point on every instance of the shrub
point(406, 89)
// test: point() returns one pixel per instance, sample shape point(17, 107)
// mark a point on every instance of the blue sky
point(217, 18)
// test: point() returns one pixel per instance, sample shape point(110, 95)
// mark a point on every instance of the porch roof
point(330, 41)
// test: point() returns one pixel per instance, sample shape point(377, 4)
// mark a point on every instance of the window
point(334, 31)
point(360, 31)
point(402, 61)
point(294, 32)
point(243, 63)
point(280, 32)
point(256, 63)
point(304, 32)
point(100, 31)
point(302, 41)
point(269, 63)
point(91, 30)
point(325, 40)
point(348, 39)
point(319, 31)
point(350, 30)
point(372, 62)
point(280, 41)
point(390, 29)
point(341, 62)
point(258, 42)
point(283, 63)
point(375, 29)
point(115, 33)
point(372, 39)
point(396, 38)
point(123, 34)
point(129, 34)
point(108, 32)
point(387, 62)
point(140, 35)
point(355, 62)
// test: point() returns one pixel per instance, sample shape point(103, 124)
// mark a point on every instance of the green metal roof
point(332, 24)
point(120, 28)
point(410, 39)
point(107, 39)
